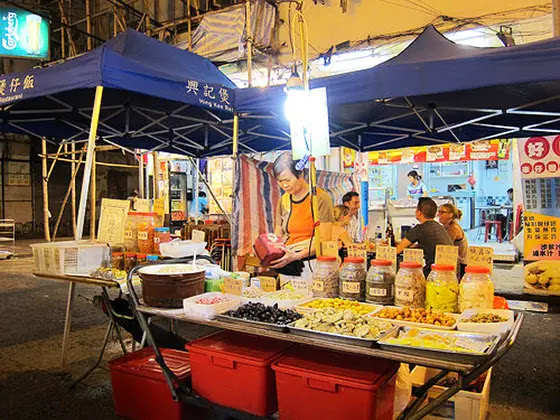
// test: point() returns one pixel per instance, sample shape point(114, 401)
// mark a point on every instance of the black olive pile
point(270, 314)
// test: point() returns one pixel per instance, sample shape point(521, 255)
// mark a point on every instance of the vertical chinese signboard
point(540, 172)
point(23, 34)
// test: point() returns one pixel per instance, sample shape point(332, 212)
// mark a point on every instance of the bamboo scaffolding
point(70, 190)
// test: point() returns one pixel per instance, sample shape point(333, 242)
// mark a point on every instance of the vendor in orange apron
point(294, 219)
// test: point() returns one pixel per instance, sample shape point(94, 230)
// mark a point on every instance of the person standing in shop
point(294, 219)
point(427, 234)
point(352, 201)
point(341, 221)
point(416, 188)
point(449, 217)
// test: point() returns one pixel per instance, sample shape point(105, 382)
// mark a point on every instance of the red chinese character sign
point(540, 173)
point(539, 157)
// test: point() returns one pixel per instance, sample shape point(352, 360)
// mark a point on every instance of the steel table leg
point(67, 322)
point(96, 365)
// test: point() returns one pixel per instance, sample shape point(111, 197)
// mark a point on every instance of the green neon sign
point(23, 34)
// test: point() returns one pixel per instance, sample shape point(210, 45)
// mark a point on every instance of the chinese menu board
point(540, 173)
point(112, 220)
point(477, 150)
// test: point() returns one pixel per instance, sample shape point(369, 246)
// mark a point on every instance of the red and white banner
point(540, 157)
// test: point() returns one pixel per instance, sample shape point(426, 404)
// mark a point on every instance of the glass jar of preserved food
point(152, 258)
point(325, 277)
point(352, 279)
point(117, 260)
point(380, 282)
point(410, 285)
point(129, 261)
point(476, 290)
point(161, 235)
point(442, 289)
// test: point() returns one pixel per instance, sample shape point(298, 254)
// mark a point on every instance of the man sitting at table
point(427, 234)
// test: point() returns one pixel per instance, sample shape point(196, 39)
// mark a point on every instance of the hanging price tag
point(481, 256)
point(330, 248)
point(447, 255)
point(301, 286)
point(233, 286)
point(414, 255)
point(388, 253)
point(358, 250)
point(159, 206)
point(198, 236)
point(268, 284)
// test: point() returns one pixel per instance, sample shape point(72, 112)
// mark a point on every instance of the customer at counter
point(352, 201)
point(294, 218)
point(416, 188)
point(427, 234)
point(449, 217)
point(341, 221)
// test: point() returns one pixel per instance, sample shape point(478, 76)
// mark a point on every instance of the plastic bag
point(403, 390)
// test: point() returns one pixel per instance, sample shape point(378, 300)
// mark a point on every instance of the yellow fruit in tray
point(531, 278)
point(555, 281)
point(543, 280)
point(554, 288)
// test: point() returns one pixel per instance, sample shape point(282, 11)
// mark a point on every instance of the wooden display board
point(112, 220)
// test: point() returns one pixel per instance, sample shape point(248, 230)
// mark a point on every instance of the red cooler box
point(319, 384)
point(139, 388)
point(234, 370)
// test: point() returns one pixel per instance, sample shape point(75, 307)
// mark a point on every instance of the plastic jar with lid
point(442, 289)
point(129, 261)
point(161, 235)
point(117, 260)
point(410, 285)
point(141, 258)
point(380, 282)
point(352, 279)
point(145, 237)
point(325, 277)
point(152, 258)
point(476, 290)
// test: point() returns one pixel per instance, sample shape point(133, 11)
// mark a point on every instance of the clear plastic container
point(380, 283)
point(133, 221)
point(161, 235)
point(325, 277)
point(476, 290)
point(352, 279)
point(442, 289)
point(410, 285)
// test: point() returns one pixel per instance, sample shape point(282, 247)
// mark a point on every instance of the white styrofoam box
point(181, 249)
point(199, 310)
point(464, 405)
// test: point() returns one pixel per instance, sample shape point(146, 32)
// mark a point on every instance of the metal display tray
point(257, 324)
point(301, 308)
point(417, 324)
point(449, 355)
point(339, 338)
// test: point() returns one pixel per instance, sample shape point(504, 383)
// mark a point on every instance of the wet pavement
point(525, 384)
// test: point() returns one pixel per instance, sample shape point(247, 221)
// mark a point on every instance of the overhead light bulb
point(294, 82)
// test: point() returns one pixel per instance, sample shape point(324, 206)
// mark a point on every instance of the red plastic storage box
point(319, 384)
point(267, 247)
point(139, 388)
point(234, 370)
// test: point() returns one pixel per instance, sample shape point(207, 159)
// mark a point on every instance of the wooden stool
point(489, 224)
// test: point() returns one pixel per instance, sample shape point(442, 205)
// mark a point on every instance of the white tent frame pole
point(89, 162)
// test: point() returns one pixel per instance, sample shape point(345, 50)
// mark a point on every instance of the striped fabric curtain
point(256, 195)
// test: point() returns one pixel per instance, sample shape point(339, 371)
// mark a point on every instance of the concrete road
point(525, 384)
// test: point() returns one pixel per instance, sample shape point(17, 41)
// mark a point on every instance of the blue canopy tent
point(435, 91)
point(156, 97)
point(133, 91)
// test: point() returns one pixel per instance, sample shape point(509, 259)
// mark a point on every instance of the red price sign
point(556, 145)
point(537, 148)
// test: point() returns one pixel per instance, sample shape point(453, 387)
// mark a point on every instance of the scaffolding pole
point(93, 195)
point(249, 43)
point(73, 150)
point(45, 190)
